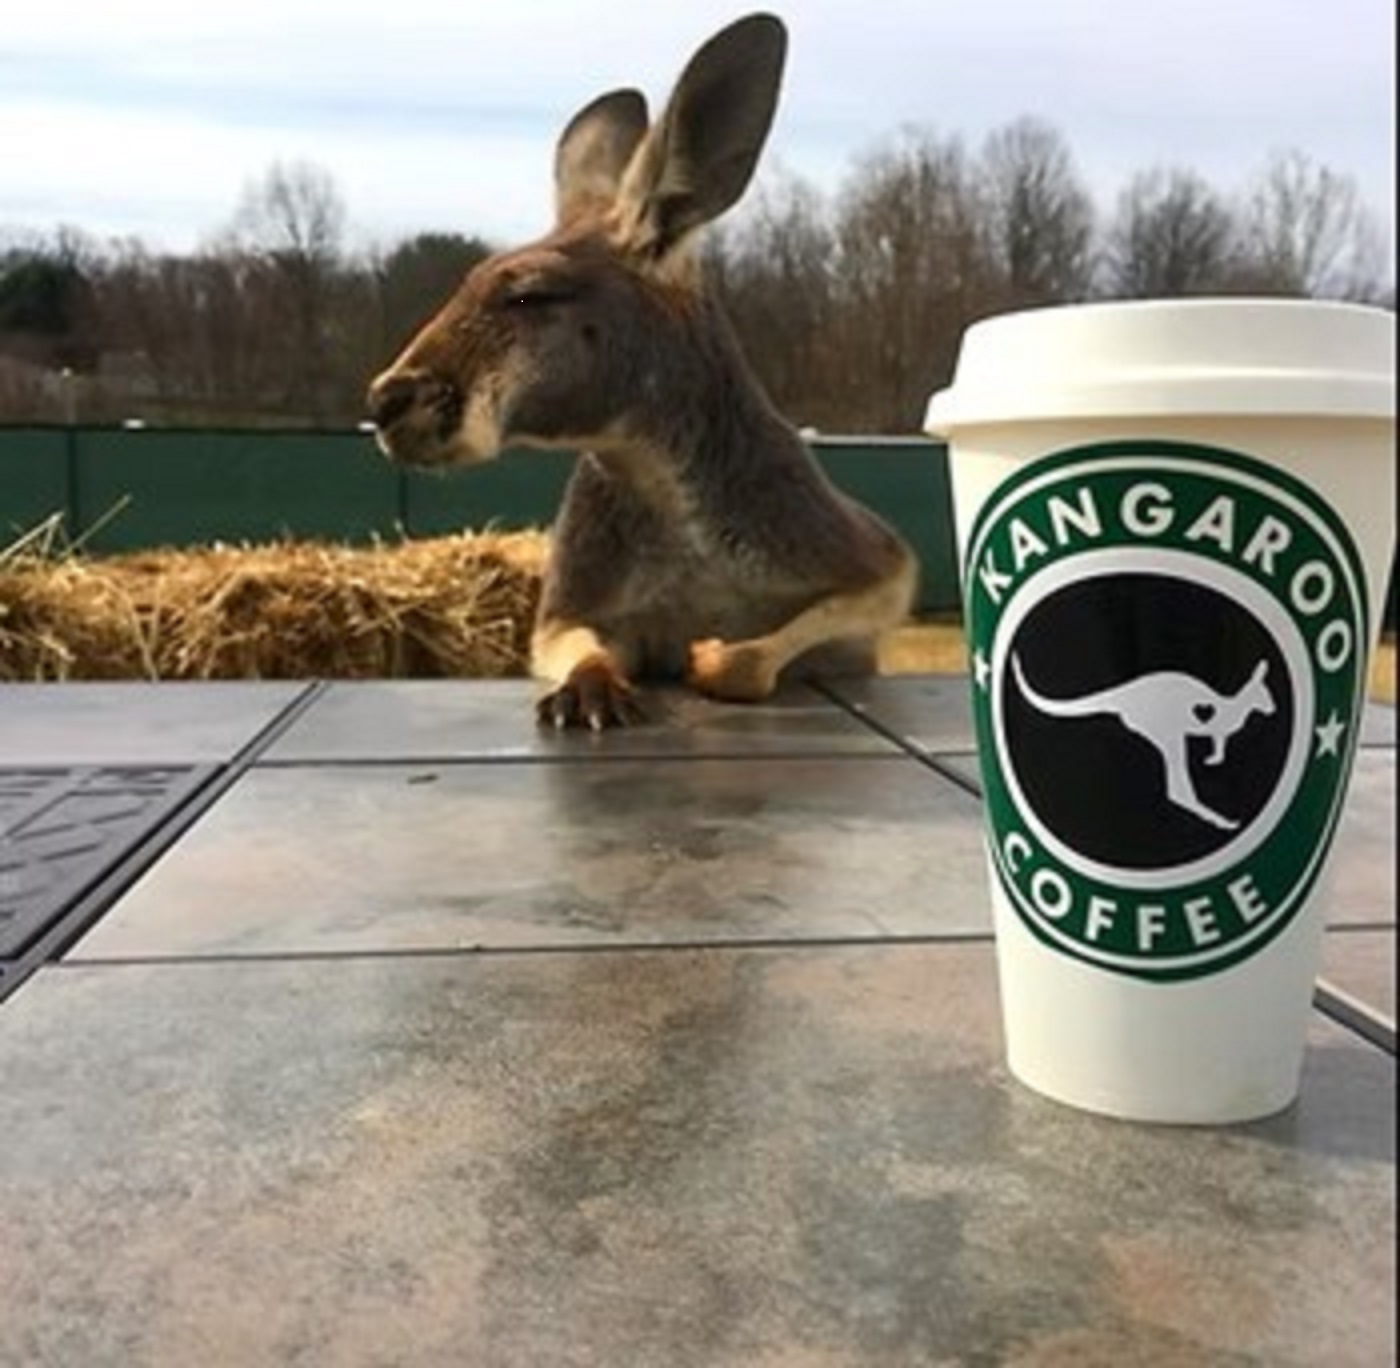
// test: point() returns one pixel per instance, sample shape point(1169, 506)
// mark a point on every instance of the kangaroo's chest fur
point(656, 563)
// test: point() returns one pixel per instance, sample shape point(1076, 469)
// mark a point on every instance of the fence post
point(71, 511)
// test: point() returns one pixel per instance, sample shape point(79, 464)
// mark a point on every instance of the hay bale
point(450, 606)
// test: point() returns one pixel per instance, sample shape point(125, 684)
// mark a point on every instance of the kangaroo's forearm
point(557, 649)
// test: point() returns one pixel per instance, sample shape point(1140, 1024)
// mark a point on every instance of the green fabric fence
point(133, 489)
point(125, 489)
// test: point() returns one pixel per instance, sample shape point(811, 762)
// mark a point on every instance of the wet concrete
point(695, 1157)
point(1362, 965)
point(123, 723)
point(429, 720)
point(463, 855)
point(681, 1052)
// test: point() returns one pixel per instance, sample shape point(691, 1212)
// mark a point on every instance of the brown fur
point(697, 538)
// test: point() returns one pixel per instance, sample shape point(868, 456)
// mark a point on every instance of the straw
point(450, 606)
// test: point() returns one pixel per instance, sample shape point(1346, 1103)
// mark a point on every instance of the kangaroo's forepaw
point(595, 695)
point(738, 673)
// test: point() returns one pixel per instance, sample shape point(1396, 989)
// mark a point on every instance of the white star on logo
point(1329, 736)
point(981, 669)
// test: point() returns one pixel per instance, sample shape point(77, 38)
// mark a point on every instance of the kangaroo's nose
point(392, 395)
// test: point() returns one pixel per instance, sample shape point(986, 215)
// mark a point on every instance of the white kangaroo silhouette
point(1166, 709)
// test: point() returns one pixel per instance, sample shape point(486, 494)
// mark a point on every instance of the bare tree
point(189, 327)
point(773, 272)
point(1307, 232)
point(292, 222)
point(1038, 218)
point(294, 212)
point(1172, 235)
point(851, 308)
point(46, 312)
point(221, 335)
point(910, 273)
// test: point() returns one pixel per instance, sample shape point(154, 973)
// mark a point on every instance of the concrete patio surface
point(365, 1024)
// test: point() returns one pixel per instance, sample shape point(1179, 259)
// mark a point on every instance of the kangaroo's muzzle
point(416, 415)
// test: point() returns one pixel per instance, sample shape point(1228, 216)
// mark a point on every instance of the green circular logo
point(1167, 646)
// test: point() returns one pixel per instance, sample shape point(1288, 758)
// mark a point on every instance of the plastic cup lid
point(1190, 357)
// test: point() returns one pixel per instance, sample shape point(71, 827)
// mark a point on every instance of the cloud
point(150, 116)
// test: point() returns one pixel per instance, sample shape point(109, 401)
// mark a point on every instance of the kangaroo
point(697, 538)
point(1166, 709)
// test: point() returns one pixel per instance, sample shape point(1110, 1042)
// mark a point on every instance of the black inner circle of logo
point(1147, 718)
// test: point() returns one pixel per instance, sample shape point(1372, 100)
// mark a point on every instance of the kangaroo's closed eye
point(528, 297)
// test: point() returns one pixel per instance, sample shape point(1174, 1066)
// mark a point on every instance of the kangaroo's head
point(585, 337)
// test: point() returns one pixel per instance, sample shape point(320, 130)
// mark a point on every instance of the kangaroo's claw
point(593, 696)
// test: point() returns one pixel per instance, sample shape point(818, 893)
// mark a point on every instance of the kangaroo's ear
point(701, 154)
point(593, 152)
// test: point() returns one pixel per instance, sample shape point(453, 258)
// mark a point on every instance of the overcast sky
point(149, 117)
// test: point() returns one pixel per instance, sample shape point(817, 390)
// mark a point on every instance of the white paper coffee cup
point(1175, 522)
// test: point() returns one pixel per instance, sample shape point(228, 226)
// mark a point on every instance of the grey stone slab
point(1362, 965)
point(1363, 879)
point(495, 719)
point(793, 1157)
point(377, 857)
point(963, 763)
point(1378, 725)
point(930, 712)
point(136, 723)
